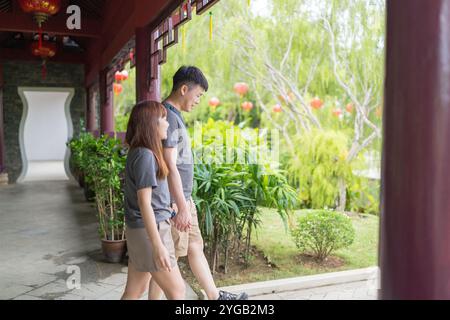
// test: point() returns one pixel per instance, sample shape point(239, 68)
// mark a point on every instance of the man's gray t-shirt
point(177, 137)
point(140, 173)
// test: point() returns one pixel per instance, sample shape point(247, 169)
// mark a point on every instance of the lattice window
point(166, 34)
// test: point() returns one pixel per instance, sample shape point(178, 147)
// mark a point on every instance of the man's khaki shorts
point(140, 249)
point(182, 240)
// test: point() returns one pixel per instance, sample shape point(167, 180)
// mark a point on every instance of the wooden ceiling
point(107, 27)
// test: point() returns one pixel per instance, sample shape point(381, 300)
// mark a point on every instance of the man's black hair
point(190, 76)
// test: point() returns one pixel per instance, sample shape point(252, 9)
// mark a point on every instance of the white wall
point(45, 130)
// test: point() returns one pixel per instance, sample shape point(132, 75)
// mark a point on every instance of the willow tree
point(328, 48)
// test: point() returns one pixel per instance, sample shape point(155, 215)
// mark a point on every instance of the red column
point(106, 102)
point(146, 87)
point(90, 109)
point(415, 204)
point(2, 140)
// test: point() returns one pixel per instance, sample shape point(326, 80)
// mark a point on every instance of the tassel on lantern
point(210, 26)
point(44, 69)
point(40, 37)
point(183, 35)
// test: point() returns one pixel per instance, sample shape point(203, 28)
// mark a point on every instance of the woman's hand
point(162, 257)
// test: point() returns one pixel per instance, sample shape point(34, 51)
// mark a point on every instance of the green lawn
point(276, 243)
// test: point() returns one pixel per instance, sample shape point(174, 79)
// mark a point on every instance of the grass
point(277, 257)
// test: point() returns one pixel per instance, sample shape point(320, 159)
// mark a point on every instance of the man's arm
point(183, 218)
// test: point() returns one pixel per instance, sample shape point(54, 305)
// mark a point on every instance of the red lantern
point(277, 108)
point(121, 76)
point(118, 76)
point(316, 103)
point(124, 75)
point(379, 112)
point(118, 88)
point(45, 50)
point(41, 9)
point(241, 88)
point(247, 106)
point(337, 112)
point(214, 102)
point(349, 107)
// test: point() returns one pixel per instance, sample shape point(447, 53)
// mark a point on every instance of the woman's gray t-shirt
point(140, 173)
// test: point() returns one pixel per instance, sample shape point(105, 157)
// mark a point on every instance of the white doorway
point(45, 128)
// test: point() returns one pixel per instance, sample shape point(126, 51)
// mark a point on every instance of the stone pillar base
point(3, 179)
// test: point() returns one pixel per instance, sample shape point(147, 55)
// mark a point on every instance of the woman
point(150, 246)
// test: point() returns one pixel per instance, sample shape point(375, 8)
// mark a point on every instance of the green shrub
point(322, 232)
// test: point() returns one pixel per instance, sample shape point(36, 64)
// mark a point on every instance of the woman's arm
point(161, 255)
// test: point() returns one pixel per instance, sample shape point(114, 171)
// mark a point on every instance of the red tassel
point(40, 37)
point(44, 70)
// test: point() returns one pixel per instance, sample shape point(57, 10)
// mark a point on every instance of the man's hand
point(182, 219)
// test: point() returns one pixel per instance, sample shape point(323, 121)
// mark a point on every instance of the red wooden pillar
point(415, 204)
point(147, 88)
point(90, 109)
point(2, 138)
point(106, 103)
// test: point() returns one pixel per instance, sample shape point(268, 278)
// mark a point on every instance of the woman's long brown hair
point(142, 131)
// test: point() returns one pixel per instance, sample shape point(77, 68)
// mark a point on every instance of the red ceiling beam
point(21, 22)
point(20, 54)
point(119, 25)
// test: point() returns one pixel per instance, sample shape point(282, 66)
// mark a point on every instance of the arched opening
point(45, 128)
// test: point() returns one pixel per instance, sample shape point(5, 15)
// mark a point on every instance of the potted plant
point(104, 170)
point(81, 147)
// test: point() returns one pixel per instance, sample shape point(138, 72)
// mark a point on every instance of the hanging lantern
point(241, 88)
point(214, 102)
point(337, 112)
point(290, 98)
point(349, 107)
point(41, 9)
point(118, 88)
point(247, 106)
point(121, 75)
point(277, 108)
point(379, 112)
point(124, 75)
point(118, 76)
point(45, 50)
point(316, 103)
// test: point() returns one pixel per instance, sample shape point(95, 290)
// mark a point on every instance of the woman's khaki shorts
point(182, 240)
point(140, 250)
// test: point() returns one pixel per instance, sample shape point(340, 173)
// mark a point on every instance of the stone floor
point(49, 239)
point(348, 291)
point(45, 171)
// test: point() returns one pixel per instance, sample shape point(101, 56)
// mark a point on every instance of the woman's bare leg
point(154, 291)
point(171, 283)
point(137, 283)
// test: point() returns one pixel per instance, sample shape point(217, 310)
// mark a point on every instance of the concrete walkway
point(49, 240)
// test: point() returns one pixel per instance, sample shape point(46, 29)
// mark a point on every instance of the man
point(189, 84)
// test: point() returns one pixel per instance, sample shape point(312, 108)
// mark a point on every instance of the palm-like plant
point(221, 205)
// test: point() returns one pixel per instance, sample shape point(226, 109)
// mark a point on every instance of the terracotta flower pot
point(114, 251)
